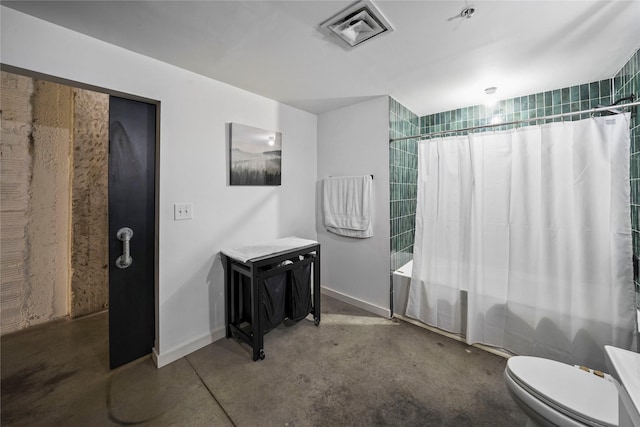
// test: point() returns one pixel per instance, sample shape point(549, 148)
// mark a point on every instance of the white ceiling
point(433, 61)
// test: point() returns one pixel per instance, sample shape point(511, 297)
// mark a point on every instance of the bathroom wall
point(354, 141)
point(194, 113)
point(627, 82)
point(403, 179)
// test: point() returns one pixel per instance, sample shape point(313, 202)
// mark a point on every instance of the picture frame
point(255, 156)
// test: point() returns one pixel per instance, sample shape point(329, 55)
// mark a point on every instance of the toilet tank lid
point(567, 387)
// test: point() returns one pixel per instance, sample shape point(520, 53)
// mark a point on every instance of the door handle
point(124, 234)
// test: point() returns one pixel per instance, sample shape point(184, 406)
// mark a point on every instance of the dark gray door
point(132, 142)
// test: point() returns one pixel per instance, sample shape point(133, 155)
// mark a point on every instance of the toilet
point(556, 394)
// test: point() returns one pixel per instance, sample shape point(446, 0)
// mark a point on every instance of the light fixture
point(272, 140)
point(497, 119)
point(491, 97)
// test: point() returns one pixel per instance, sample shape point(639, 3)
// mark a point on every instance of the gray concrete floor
point(355, 369)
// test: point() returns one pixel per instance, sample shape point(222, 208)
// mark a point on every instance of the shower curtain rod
point(517, 122)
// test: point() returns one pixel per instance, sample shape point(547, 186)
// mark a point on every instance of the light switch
point(182, 211)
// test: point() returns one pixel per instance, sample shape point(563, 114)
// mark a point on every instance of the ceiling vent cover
point(357, 24)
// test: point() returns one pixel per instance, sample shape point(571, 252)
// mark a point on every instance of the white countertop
point(626, 369)
point(247, 253)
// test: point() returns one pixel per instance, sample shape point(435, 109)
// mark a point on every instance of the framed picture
point(255, 156)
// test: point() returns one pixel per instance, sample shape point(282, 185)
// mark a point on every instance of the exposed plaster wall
point(48, 230)
point(42, 124)
point(54, 148)
point(90, 244)
point(36, 132)
point(15, 176)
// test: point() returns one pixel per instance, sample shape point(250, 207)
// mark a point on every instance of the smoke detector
point(357, 24)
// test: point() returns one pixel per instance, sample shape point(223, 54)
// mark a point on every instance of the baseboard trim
point(176, 353)
point(372, 308)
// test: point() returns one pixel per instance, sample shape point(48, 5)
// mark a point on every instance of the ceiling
point(435, 60)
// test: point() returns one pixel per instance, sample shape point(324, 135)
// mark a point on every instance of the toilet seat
point(578, 395)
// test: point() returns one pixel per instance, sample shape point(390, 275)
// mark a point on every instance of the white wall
point(355, 141)
point(193, 158)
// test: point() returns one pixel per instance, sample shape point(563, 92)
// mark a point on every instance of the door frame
point(158, 104)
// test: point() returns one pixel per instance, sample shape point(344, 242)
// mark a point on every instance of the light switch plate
point(182, 211)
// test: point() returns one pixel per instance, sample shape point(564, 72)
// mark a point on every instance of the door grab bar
point(124, 234)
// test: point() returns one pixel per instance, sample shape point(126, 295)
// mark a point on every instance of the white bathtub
point(401, 281)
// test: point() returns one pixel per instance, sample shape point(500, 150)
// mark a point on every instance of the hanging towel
point(347, 206)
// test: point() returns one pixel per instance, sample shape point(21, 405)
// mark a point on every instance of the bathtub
point(401, 280)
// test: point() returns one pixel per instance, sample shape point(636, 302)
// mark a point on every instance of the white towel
point(347, 205)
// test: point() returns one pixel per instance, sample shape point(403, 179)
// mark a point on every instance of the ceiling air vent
point(357, 24)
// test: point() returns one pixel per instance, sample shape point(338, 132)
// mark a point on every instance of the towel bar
point(369, 175)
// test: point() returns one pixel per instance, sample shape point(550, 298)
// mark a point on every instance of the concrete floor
point(355, 369)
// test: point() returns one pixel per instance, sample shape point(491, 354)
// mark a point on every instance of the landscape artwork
point(255, 156)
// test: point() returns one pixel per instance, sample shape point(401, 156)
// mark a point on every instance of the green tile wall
point(403, 179)
point(625, 83)
point(565, 100)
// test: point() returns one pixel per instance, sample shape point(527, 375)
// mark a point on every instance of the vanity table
point(257, 277)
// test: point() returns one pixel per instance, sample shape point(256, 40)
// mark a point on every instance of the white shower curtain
point(523, 239)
